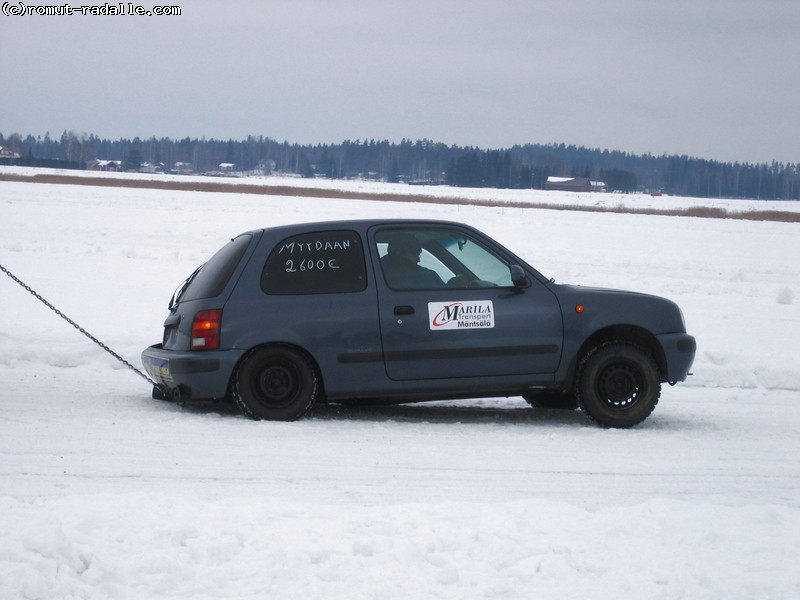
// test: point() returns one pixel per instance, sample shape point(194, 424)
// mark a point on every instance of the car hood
point(614, 306)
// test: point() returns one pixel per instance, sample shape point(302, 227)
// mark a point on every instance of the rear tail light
point(205, 330)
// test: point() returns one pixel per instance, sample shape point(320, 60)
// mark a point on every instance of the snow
point(534, 197)
point(106, 493)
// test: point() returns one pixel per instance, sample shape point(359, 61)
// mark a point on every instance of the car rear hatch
point(196, 307)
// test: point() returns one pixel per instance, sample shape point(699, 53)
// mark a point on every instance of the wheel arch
point(632, 334)
point(287, 346)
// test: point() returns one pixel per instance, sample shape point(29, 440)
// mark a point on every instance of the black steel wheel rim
point(620, 385)
point(277, 384)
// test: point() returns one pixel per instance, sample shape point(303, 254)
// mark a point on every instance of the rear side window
point(214, 276)
point(325, 262)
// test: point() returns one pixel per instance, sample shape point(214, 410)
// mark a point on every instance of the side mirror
point(518, 277)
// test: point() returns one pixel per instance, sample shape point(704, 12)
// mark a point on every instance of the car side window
point(429, 258)
point(325, 262)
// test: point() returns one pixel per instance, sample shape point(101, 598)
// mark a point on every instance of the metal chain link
point(78, 327)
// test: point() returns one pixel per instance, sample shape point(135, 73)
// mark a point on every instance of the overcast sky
point(717, 79)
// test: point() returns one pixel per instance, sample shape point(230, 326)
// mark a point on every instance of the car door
point(458, 314)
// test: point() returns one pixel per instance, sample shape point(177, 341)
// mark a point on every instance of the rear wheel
point(618, 385)
point(276, 384)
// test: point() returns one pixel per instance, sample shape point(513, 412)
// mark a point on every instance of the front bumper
point(191, 375)
point(679, 350)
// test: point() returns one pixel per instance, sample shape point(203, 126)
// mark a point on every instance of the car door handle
point(404, 309)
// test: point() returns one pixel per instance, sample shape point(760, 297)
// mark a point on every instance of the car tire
point(618, 385)
point(275, 384)
point(551, 399)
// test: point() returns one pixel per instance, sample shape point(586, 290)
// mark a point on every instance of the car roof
point(357, 224)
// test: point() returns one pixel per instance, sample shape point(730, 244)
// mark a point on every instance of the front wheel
point(276, 384)
point(618, 385)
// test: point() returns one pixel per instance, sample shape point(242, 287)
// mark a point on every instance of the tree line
point(420, 161)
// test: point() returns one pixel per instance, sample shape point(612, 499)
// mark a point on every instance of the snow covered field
point(105, 493)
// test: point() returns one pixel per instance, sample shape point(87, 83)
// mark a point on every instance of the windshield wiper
point(176, 295)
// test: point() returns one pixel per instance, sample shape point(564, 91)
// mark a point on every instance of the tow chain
point(81, 329)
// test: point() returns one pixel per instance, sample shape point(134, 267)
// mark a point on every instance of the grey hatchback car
point(393, 311)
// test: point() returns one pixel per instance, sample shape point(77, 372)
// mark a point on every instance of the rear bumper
point(191, 375)
point(679, 350)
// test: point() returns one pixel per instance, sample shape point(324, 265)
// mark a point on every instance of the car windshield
point(211, 278)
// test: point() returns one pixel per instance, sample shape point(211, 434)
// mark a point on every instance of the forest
point(414, 162)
